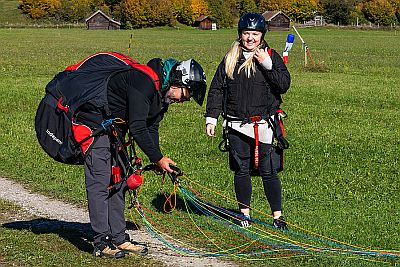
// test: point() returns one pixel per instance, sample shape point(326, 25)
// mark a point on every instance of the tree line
point(150, 13)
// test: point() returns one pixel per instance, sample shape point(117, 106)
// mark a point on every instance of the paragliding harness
point(58, 132)
point(274, 122)
point(128, 166)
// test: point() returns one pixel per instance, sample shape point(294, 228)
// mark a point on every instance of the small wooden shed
point(100, 21)
point(203, 22)
point(277, 21)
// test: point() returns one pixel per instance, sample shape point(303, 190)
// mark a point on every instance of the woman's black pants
point(241, 162)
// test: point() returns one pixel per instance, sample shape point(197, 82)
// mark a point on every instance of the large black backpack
point(79, 84)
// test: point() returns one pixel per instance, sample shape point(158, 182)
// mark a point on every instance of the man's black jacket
point(132, 96)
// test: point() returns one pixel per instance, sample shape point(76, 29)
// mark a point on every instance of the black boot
point(280, 223)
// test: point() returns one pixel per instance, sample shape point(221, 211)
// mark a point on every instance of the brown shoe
point(128, 248)
point(110, 251)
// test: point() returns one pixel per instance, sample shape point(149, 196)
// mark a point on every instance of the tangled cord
point(261, 241)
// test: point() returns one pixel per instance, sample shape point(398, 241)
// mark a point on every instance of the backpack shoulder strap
point(269, 50)
point(143, 68)
point(124, 59)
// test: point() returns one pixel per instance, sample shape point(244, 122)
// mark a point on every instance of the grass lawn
point(341, 176)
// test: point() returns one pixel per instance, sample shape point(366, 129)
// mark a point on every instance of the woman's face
point(251, 39)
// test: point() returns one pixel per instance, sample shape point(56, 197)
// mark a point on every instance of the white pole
point(303, 45)
point(298, 34)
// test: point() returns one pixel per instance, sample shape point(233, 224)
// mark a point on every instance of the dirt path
point(63, 213)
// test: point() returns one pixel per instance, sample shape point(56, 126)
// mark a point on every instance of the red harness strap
point(255, 120)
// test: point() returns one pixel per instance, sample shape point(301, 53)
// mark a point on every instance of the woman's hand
point(260, 55)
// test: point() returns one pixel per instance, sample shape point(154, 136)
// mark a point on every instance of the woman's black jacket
point(245, 97)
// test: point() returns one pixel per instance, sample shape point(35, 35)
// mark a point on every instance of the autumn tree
point(199, 7)
point(380, 12)
point(301, 10)
point(274, 5)
point(37, 9)
point(159, 13)
point(182, 11)
point(134, 13)
point(396, 5)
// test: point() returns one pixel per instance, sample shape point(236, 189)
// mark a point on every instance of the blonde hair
point(232, 57)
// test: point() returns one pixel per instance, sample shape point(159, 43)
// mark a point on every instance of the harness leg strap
point(256, 156)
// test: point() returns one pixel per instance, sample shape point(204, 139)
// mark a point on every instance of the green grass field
point(10, 14)
point(341, 176)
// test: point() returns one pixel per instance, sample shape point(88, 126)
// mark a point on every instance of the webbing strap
point(256, 160)
point(125, 59)
point(255, 120)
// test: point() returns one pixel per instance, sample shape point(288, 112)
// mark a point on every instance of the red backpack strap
point(127, 60)
point(269, 50)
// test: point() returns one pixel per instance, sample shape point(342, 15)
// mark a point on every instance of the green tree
point(338, 11)
point(75, 10)
point(247, 6)
point(37, 9)
point(220, 12)
point(113, 3)
point(234, 8)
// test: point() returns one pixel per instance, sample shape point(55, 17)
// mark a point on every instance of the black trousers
point(106, 208)
point(241, 162)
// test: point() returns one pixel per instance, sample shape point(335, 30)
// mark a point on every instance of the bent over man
point(134, 98)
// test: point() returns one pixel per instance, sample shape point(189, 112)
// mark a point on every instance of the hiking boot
point(103, 249)
point(242, 220)
point(132, 248)
point(280, 223)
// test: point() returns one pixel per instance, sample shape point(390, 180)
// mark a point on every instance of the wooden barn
point(203, 22)
point(100, 21)
point(277, 21)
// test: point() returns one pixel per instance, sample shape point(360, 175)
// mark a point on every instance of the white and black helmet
point(190, 74)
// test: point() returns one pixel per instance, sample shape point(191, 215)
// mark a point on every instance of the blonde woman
point(246, 90)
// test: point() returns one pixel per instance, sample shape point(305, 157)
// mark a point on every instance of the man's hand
point(164, 162)
point(210, 129)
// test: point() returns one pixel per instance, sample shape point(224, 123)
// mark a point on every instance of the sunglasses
point(183, 97)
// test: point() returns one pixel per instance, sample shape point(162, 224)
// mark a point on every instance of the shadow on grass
point(164, 203)
point(78, 234)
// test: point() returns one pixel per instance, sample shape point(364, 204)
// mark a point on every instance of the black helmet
point(253, 22)
point(190, 74)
